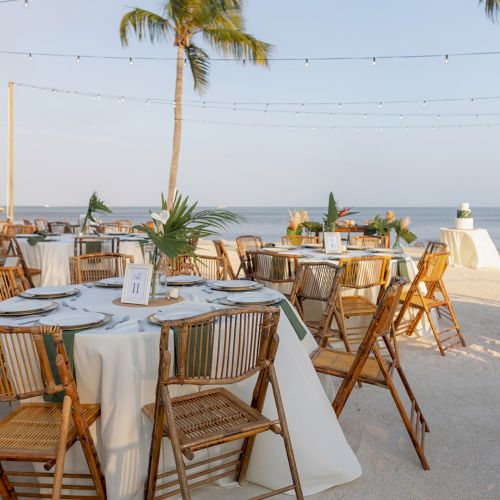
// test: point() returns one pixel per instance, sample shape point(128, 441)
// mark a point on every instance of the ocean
point(271, 222)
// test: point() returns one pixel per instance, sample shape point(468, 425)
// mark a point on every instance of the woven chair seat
point(212, 417)
point(338, 363)
point(416, 301)
point(357, 306)
point(34, 429)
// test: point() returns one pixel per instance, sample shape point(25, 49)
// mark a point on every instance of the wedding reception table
point(52, 256)
point(471, 248)
point(118, 369)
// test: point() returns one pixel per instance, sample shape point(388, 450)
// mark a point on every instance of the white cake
point(464, 218)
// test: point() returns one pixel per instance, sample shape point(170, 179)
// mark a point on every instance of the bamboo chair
point(368, 366)
point(60, 227)
point(361, 273)
point(426, 293)
point(97, 266)
point(431, 248)
point(215, 416)
point(272, 268)
point(361, 240)
point(9, 247)
point(298, 240)
point(118, 226)
point(221, 250)
point(7, 229)
point(89, 244)
point(245, 244)
point(12, 282)
point(320, 282)
point(207, 266)
point(41, 224)
point(24, 229)
point(42, 432)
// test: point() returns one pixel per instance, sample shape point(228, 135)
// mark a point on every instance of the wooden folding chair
point(245, 244)
point(430, 248)
point(60, 227)
point(222, 253)
point(368, 366)
point(218, 348)
point(9, 247)
point(365, 241)
point(297, 240)
point(12, 282)
point(361, 273)
point(43, 432)
point(97, 266)
point(427, 293)
point(93, 244)
point(320, 282)
point(273, 268)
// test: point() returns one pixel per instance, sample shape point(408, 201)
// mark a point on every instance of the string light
point(374, 61)
point(446, 59)
point(185, 62)
point(130, 61)
point(306, 64)
point(148, 102)
point(26, 4)
point(424, 103)
point(77, 59)
point(29, 57)
point(380, 105)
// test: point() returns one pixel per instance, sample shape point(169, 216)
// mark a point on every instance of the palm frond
point(144, 23)
point(492, 8)
point(199, 62)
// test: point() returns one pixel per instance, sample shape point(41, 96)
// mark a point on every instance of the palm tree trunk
point(176, 145)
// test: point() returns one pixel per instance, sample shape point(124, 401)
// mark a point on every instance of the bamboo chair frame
point(242, 343)
point(362, 240)
point(222, 253)
point(97, 266)
point(9, 247)
point(117, 226)
point(427, 292)
point(431, 248)
point(41, 224)
point(321, 282)
point(107, 244)
point(360, 273)
point(244, 244)
point(12, 282)
point(368, 366)
point(298, 239)
point(209, 267)
point(25, 372)
point(24, 229)
point(59, 227)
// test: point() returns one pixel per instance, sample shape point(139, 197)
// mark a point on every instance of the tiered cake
point(464, 218)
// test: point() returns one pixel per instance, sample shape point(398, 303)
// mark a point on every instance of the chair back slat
point(206, 266)
point(94, 267)
point(221, 347)
point(430, 248)
point(245, 244)
point(59, 227)
point(41, 224)
point(433, 268)
point(315, 280)
point(88, 244)
point(12, 282)
point(297, 239)
point(272, 267)
point(222, 253)
point(9, 247)
point(365, 272)
point(365, 241)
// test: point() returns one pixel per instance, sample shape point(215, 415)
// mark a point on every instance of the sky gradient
point(67, 146)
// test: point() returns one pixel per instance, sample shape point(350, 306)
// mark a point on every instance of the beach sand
point(459, 395)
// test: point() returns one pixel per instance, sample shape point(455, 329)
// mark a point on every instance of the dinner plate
point(184, 280)
point(386, 250)
point(254, 298)
point(312, 245)
point(75, 320)
point(179, 311)
point(235, 285)
point(110, 282)
point(17, 307)
point(50, 292)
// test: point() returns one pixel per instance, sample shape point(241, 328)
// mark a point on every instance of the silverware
point(28, 322)
point(112, 325)
point(65, 304)
point(88, 285)
point(141, 325)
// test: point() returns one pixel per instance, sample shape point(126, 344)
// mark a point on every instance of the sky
point(67, 146)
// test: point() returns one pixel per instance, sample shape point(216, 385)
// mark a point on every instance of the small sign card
point(333, 242)
point(137, 284)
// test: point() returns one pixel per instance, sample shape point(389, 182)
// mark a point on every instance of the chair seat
point(355, 305)
point(32, 430)
point(212, 417)
point(338, 363)
point(33, 272)
point(416, 301)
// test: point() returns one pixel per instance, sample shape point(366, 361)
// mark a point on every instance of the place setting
point(51, 292)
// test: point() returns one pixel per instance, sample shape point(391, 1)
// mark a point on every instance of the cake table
point(471, 248)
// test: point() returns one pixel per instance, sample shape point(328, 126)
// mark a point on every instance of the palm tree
point(219, 22)
point(492, 8)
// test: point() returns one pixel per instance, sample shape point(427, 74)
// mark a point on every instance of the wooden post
point(10, 167)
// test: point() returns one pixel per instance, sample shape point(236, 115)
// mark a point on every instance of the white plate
point(112, 281)
point(181, 311)
point(261, 297)
point(184, 279)
point(44, 291)
point(72, 319)
point(16, 306)
point(386, 250)
point(312, 245)
point(228, 284)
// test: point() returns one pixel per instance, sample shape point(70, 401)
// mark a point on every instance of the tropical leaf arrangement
point(334, 213)
point(296, 223)
point(464, 214)
point(382, 226)
point(95, 206)
point(312, 227)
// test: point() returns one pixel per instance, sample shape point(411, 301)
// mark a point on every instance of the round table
point(52, 257)
point(118, 368)
point(471, 248)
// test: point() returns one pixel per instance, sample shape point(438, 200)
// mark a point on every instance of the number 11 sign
point(137, 284)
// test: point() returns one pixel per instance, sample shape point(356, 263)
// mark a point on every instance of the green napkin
point(200, 360)
point(37, 238)
point(278, 268)
point(403, 269)
point(294, 319)
point(69, 341)
point(93, 247)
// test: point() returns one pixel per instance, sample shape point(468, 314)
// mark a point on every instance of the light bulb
point(374, 61)
point(306, 64)
point(29, 56)
point(423, 103)
point(364, 116)
point(438, 117)
point(400, 117)
point(446, 59)
point(380, 105)
point(329, 115)
point(77, 59)
point(302, 106)
point(130, 61)
point(185, 62)
point(26, 4)
point(148, 102)
point(339, 105)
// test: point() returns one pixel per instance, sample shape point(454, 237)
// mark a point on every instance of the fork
point(65, 304)
point(112, 325)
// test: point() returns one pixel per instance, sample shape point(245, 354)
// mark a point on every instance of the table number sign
point(137, 284)
point(333, 242)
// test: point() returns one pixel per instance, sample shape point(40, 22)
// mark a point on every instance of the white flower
point(161, 217)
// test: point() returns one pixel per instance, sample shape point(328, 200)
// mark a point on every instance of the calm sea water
point(271, 222)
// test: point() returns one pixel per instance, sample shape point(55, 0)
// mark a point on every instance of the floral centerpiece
point(334, 213)
point(296, 222)
point(95, 206)
point(171, 231)
point(382, 226)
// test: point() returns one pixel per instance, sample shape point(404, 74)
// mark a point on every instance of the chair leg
point(154, 453)
point(340, 319)
point(6, 489)
point(435, 331)
point(285, 432)
point(61, 448)
point(452, 313)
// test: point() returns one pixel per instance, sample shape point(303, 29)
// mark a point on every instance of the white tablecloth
point(52, 257)
point(471, 248)
point(118, 369)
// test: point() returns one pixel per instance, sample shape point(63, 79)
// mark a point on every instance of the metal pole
point(10, 170)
